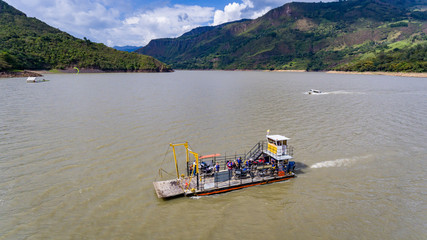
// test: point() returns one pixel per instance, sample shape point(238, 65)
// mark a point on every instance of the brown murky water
point(78, 155)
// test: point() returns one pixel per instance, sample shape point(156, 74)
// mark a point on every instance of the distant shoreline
point(39, 73)
point(397, 74)
point(94, 70)
point(19, 74)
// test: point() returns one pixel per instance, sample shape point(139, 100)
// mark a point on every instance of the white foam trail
point(322, 93)
point(333, 163)
point(335, 92)
point(343, 92)
point(342, 162)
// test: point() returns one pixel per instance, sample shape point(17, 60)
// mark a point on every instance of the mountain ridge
point(28, 43)
point(310, 36)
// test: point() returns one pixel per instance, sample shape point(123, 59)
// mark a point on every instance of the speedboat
point(314, 91)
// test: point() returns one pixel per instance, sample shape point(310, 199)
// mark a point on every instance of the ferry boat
point(267, 162)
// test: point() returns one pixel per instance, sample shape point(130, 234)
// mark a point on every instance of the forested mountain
point(28, 43)
point(359, 35)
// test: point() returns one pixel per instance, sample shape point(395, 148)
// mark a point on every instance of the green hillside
point(352, 35)
point(27, 43)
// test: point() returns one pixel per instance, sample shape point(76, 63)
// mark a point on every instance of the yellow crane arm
point(173, 145)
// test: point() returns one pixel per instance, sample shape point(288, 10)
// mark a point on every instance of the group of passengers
point(238, 163)
point(248, 164)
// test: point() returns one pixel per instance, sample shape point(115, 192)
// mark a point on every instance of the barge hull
point(175, 188)
point(232, 188)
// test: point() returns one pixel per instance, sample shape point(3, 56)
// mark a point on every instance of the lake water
point(78, 155)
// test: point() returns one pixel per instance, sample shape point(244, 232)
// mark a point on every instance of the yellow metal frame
point(187, 151)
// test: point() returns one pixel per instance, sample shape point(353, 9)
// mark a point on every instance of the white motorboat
point(35, 80)
point(314, 91)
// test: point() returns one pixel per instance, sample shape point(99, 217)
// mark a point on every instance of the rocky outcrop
point(19, 74)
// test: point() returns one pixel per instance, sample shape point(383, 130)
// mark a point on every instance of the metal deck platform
point(212, 185)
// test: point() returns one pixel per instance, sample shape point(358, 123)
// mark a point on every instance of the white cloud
point(140, 28)
point(73, 16)
point(232, 12)
point(118, 22)
point(103, 21)
point(257, 14)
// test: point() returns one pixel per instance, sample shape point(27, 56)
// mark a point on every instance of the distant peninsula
point(30, 44)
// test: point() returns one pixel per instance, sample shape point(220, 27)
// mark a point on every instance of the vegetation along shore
point(28, 43)
point(352, 35)
point(369, 36)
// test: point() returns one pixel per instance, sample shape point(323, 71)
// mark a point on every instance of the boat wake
point(342, 92)
point(342, 162)
point(320, 93)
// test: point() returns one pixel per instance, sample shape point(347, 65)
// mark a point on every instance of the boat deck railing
point(250, 169)
point(261, 146)
point(254, 167)
point(256, 150)
point(246, 173)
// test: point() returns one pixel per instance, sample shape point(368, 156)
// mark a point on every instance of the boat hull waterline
point(217, 191)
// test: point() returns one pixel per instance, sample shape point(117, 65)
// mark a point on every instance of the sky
point(136, 22)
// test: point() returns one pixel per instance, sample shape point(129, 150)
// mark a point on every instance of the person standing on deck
point(230, 168)
point(248, 162)
point(194, 168)
point(217, 167)
point(239, 162)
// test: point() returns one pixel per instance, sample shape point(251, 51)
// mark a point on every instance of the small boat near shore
point(267, 162)
point(36, 80)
